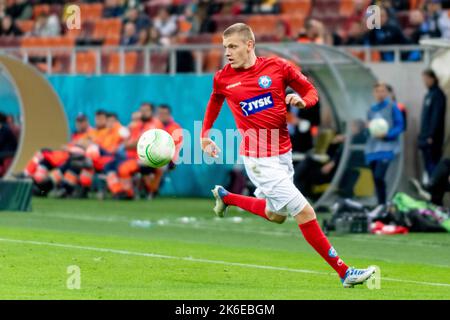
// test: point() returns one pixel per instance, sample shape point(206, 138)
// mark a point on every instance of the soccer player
point(255, 91)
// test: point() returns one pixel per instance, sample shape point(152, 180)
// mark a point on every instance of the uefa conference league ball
point(378, 127)
point(155, 148)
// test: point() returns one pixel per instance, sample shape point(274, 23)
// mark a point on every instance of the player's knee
point(275, 218)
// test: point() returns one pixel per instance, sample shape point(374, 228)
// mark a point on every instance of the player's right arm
point(212, 112)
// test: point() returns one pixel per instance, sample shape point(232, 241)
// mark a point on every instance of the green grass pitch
point(200, 257)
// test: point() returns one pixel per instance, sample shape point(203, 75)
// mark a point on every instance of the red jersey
point(256, 97)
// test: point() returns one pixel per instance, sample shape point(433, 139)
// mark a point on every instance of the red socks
point(250, 204)
point(311, 230)
point(317, 239)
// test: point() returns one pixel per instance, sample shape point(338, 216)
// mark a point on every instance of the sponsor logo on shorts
point(256, 104)
point(332, 253)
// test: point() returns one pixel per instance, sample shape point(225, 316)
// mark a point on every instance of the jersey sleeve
point(213, 108)
point(298, 81)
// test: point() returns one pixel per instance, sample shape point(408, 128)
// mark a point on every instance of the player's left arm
point(398, 124)
point(306, 96)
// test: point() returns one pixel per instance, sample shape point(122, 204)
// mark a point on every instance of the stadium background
point(105, 24)
point(98, 67)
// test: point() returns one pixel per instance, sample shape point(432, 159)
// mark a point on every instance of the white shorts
point(274, 181)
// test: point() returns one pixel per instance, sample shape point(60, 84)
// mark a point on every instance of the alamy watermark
point(72, 17)
point(74, 279)
point(373, 17)
point(375, 281)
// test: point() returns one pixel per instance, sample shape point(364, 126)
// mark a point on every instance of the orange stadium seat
point(346, 7)
point(216, 37)
point(91, 11)
point(86, 62)
point(159, 62)
point(296, 6)
point(130, 62)
point(109, 30)
point(263, 24)
point(296, 22)
point(184, 26)
point(213, 60)
point(39, 9)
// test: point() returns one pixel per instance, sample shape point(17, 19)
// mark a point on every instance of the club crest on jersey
point(256, 104)
point(264, 82)
point(332, 253)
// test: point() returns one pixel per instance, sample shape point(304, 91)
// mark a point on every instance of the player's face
point(380, 93)
point(81, 126)
point(100, 121)
point(237, 50)
point(110, 122)
point(164, 115)
point(146, 112)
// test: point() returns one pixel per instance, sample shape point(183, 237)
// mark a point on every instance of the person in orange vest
point(46, 165)
point(120, 181)
point(172, 127)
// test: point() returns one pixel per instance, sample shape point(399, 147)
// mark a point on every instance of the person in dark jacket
point(432, 124)
point(387, 34)
point(439, 183)
point(8, 144)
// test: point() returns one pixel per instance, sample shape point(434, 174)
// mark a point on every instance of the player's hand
point(295, 100)
point(210, 147)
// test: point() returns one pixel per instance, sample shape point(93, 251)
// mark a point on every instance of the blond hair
point(242, 29)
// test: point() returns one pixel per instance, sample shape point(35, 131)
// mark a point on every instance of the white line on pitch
point(206, 225)
point(227, 263)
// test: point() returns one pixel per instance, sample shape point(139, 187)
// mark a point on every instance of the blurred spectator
point(421, 29)
point(232, 7)
point(8, 144)
point(388, 33)
point(82, 127)
point(391, 11)
point(15, 128)
point(356, 34)
point(269, 6)
point(301, 125)
point(381, 150)
point(8, 27)
point(432, 127)
point(113, 9)
point(143, 37)
point(283, 31)
point(47, 26)
point(129, 35)
point(314, 32)
point(437, 20)
point(205, 21)
point(439, 183)
point(165, 24)
point(20, 10)
point(140, 19)
point(359, 12)
point(154, 36)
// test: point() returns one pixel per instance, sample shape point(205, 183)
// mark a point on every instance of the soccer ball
point(378, 127)
point(155, 148)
